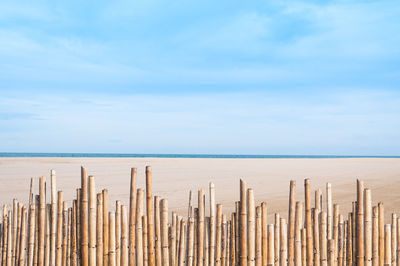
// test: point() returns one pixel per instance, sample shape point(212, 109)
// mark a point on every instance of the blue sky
point(264, 77)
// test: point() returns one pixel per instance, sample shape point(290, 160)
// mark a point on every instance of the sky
point(183, 76)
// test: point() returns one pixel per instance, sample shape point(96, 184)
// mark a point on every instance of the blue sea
point(145, 155)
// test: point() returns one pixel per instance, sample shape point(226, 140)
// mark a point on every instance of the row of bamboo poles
point(48, 232)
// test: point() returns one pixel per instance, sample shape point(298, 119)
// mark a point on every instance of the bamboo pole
point(138, 225)
point(331, 252)
point(270, 259)
point(189, 259)
point(212, 224)
point(106, 228)
point(99, 230)
point(111, 243)
point(5, 237)
point(17, 239)
point(36, 249)
point(53, 220)
point(264, 221)
point(398, 242)
point(309, 232)
point(258, 236)
point(200, 232)
point(117, 233)
point(233, 239)
point(42, 217)
point(124, 236)
point(31, 243)
point(375, 236)
point(283, 242)
point(78, 225)
point(157, 230)
point(181, 259)
point(132, 218)
point(223, 240)
point(298, 226)
point(243, 223)
point(368, 227)
point(68, 262)
point(84, 218)
point(92, 222)
point(164, 232)
point(381, 224)
point(329, 210)
point(318, 202)
point(14, 231)
point(350, 240)
point(323, 238)
point(206, 259)
point(145, 244)
point(340, 241)
point(251, 234)
point(22, 238)
point(74, 259)
point(291, 223)
point(388, 249)
point(9, 239)
point(360, 223)
point(237, 229)
point(59, 228)
point(219, 236)
point(335, 231)
point(65, 229)
point(394, 240)
point(303, 233)
point(47, 236)
point(150, 216)
point(277, 239)
point(316, 236)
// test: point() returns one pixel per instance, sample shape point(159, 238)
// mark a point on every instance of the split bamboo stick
point(182, 260)
point(31, 241)
point(316, 236)
point(190, 252)
point(264, 221)
point(219, 236)
point(145, 244)
point(276, 239)
point(323, 238)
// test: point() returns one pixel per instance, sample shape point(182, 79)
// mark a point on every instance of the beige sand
point(173, 178)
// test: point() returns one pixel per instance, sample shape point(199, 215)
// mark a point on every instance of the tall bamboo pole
point(368, 227)
point(323, 238)
point(150, 216)
point(251, 234)
point(65, 229)
point(291, 222)
point(84, 218)
point(243, 223)
point(329, 210)
point(331, 252)
point(42, 217)
point(9, 240)
point(309, 232)
point(106, 228)
point(157, 230)
point(68, 262)
point(22, 238)
point(47, 236)
point(276, 239)
point(271, 259)
point(388, 249)
point(350, 239)
point(233, 239)
point(298, 226)
point(394, 240)
point(53, 219)
point(360, 223)
point(200, 231)
point(258, 237)
point(219, 236)
point(117, 233)
point(138, 226)
point(99, 230)
point(189, 258)
point(381, 224)
point(36, 248)
point(74, 254)
point(283, 243)
point(132, 217)
point(124, 236)
point(78, 224)
point(375, 236)
point(316, 236)
point(164, 232)
point(14, 231)
point(212, 224)
point(59, 228)
point(15, 256)
point(171, 240)
point(182, 260)
point(92, 221)
point(31, 243)
point(111, 243)
point(264, 221)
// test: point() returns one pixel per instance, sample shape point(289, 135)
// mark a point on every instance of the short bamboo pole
point(59, 228)
point(17, 240)
point(164, 232)
point(111, 243)
point(283, 243)
point(157, 230)
point(233, 239)
point(200, 231)
point(251, 234)
point(106, 227)
point(124, 236)
point(270, 256)
point(212, 224)
point(92, 221)
point(9, 240)
point(14, 230)
point(36, 248)
point(276, 239)
point(99, 230)
point(340, 243)
point(117, 233)
point(182, 257)
point(264, 222)
point(258, 236)
point(331, 252)
point(303, 233)
point(132, 217)
point(190, 252)
point(206, 259)
point(394, 240)
point(323, 238)
point(139, 228)
point(298, 226)
point(74, 254)
point(398, 242)
point(316, 236)
point(291, 223)
point(31, 241)
point(381, 223)
point(223, 243)
point(68, 262)
point(375, 236)
point(64, 234)
point(47, 236)
point(368, 227)
point(308, 220)
point(22, 253)
point(5, 236)
point(329, 210)
point(145, 244)
point(84, 218)
point(42, 219)
point(78, 225)
point(318, 196)
point(350, 240)
point(360, 223)
point(243, 223)
point(219, 236)
point(388, 249)
point(237, 229)
point(53, 222)
point(150, 216)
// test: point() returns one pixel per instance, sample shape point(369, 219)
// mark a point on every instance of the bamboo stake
point(92, 221)
point(270, 259)
point(117, 232)
point(331, 252)
point(190, 242)
point(393, 240)
point(388, 249)
point(318, 196)
point(398, 242)
point(298, 219)
point(360, 223)
point(323, 238)
point(277, 239)
point(42, 217)
point(124, 236)
point(381, 224)
point(340, 242)
point(250, 228)
point(237, 230)
point(157, 230)
point(145, 244)
point(219, 236)
point(74, 260)
point(291, 223)
point(59, 228)
point(172, 240)
point(138, 225)
point(283, 242)
point(200, 237)
point(99, 230)
point(68, 262)
point(132, 217)
point(31, 245)
point(65, 229)
point(106, 228)
point(181, 260)
point(375, 236)
point(303, 246)
point(206, 259)
point(84, 218)
point(14, 231)
point(316, 236)
point(233, 239)
point(264, 221)
point(309, 232)
point(36, 250)
point(368, 227)
point(150, 217)
point(329, 210)
point(9, 240)
point(53, 220)
point(258, 236)
point(22, 239)
point(111, 243)
point(350, 240)
point(227, 246)
point(212, 224)
point(17, 239)
point(164, 232)
point(243, 224)
point(78, 225)
point(5, 237)
point(47, 236)
point(223, 240)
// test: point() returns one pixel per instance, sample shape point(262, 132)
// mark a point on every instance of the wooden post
point(329, 210)
point(124, 236)
point(368, 227)
point(53, 219)
point(68, 262)
point(283, 243)
point(84, 218)
point(157, 230)
point(150, 217)
point(271, 259)
point(276, 239)
point(190, 242)
point(291, 222)
point(264, 221)
point(219, 236)
point(381, 224)
point(99, 230)
point(394, 240)
point(298, 226)
point(309, 232)
point(350, 240)
point(139, 233)
point(9, 240)
point(145, 245)
point(360, 223)
point(17, 240)
point(340, 243)
point(200, 231)
point(316, 236)
point(233, 240)
point(42, 219)
point(23, 238)
point(92, 220)
point(212, 224)
point(14, 229)
point(164, 232)
point(388, 249)
point(331, 252)
point(106, 228)
point(375, 236)
point(59, 228)
point(47, 236)
point(323, 238)
point(74, 255)
point(37, 223)
point(132, 218)
point(78, 225)
point(111, 243)
point(65, 229)
point(251, 234)
point(31, 241)
point(243, 223)
point(303, 246)
point(117, 233)
point(258, 236)
point(181, 259)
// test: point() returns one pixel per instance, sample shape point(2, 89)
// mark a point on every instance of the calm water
point(138, 155)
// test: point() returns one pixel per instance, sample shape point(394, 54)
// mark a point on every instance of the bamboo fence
point(48, 232)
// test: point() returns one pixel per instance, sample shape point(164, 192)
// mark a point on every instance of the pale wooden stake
point(381, 223)
point(157, 230)
point(9, 240)
point(111, 243)
point(270, 259)
point(164, 232)
point(189, 258)
point(219, 236)
point(388, 249)
point(42, 219)
point(331, 252)
point(74, 255)
point(277, 239)
point(251, 234)
point(23, 238)
point(31, 241)
point(150, 216)
point(64, 234)
point(264, 221)
point(124, 236)
point(258, 236)
point(212, 224)
point(99, 230)
point(298, 226)
point(139, 228)
point(368, 227)
point(92, 221)
point(303, 246)
point(59, 228)
point(316, 236)
point(323, 238)
point(394, 240)
point(375, 236)
point(117, 232)
point(132, 218)
point(360, 223)
point(181, 260)
point(84, 218)
point(145, 244)
point(47, 236)
point(291, 223)
point(283, 243)
point(243, 223)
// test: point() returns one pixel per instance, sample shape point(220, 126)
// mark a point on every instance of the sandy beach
point(174, 178)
